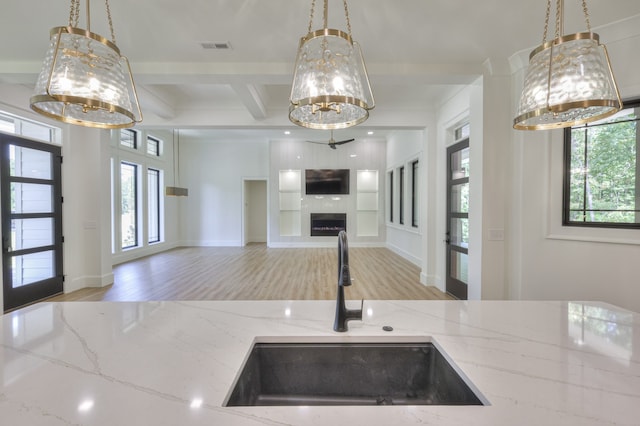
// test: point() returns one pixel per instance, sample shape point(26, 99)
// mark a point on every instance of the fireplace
point(328, 224)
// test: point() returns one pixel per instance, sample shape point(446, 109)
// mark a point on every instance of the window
point(153, 204)
point(153, 146)
point(391, 196)
point(462, 132)
point(601, 179)
point(137, 190)
point(129, 138)
point(415, 175)
point(129, 204)
point(31, 129)
point(7, 125)
point(401, 194)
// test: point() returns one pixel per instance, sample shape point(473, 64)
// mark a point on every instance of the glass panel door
point(31, 200)
point(458, 219)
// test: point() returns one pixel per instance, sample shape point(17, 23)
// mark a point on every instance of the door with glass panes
point(458, 219)
point(31, 203)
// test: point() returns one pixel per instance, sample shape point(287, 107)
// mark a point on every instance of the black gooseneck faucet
point(344, 279)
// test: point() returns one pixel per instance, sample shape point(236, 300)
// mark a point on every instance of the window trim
point(136, 142)
point(415, 207)
point(390, 176)
point(566, 179)
point(157, 210)
point(158, 144)
point(136, 168)
point(401, 189)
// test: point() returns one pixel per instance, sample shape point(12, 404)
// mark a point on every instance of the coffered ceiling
point(418, 52)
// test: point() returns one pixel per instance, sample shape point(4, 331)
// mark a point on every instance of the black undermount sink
point(349, 374)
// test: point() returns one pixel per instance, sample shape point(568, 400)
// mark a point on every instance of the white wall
point(556, 262)
point(213, 171)
point(86, 208)
point(300, 155)
point(404, 147)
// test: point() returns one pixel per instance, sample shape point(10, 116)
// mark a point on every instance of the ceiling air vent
point(216, 45)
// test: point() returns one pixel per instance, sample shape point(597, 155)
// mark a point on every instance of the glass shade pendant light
point(330, 88)
point(569, 80)
point(84, 79)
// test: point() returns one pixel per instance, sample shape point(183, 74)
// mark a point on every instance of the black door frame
point(20, 296)
point(454, 287)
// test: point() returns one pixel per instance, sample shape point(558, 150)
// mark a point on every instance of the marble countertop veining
point(173, 363)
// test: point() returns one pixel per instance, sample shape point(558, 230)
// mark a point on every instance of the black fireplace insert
point(328, 224)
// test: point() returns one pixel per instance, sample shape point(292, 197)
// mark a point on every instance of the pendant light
point(176, 190)
point(569, 80)
point(84, 79)
point(330, 88)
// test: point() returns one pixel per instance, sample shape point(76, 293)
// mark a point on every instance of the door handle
point(448, 238)
point(6, 245)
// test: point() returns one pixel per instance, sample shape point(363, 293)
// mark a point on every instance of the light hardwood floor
point(255, 272)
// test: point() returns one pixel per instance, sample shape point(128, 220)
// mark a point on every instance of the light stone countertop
point(173, 363)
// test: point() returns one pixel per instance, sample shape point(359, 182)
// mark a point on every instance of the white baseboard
point(88, 281)
point(327, 244)
point(212, 243)
point(408, 256)
point(137, 253)
point(430, 280)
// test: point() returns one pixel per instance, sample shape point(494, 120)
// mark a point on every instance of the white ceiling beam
point(253, 97)
point(155, 103)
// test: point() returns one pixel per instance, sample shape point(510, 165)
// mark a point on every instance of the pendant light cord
point(313, 8)
point(559, 23)
point(346, 15)
point(559, 18)
point(74, 14)
point(326, 16)
point(586, 15)
point(113, 34)
point(176, 162)
point(74, 17)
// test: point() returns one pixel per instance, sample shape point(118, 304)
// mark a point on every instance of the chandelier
point(84, 79)
point(330, 88)
point(569, 80)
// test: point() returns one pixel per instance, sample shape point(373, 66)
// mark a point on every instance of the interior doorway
point(458, 219)
point(254, 211)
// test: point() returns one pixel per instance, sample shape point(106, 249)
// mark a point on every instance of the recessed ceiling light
point(287, 132)
point(369, 132)
point(353, 155)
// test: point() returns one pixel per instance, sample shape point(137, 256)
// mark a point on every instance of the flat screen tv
point(326, 181)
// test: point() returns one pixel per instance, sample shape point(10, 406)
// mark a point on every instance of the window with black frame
point(601, 171)
point(153, 146)
point(414, 193)
point(401, 195)
point(390, 174)
point(129, 138)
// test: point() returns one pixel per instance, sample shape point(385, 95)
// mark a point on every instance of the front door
point(458, 219)
point(31, 203)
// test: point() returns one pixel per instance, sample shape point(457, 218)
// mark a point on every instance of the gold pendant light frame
point(335, 109)
point(86, 109)
point(546, 101)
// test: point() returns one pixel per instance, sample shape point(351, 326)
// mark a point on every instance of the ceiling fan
point(332, 142)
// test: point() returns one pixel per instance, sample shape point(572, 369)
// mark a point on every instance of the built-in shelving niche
point(290, 191)
point(367, 203)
